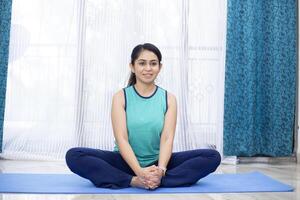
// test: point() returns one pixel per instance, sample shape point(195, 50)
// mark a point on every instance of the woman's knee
point(216, 158)
point(212, 157)
point(72, 155)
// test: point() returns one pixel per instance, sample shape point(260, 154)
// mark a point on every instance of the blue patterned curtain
point(260, 78)
point(5, 16)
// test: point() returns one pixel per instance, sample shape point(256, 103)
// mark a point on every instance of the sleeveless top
point(145, 120)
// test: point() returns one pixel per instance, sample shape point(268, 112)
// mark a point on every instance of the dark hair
point(136, 53)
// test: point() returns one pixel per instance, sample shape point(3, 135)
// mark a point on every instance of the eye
point(154, 63)
point(142, 63)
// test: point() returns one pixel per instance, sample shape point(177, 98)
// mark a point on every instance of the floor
point(288, 173)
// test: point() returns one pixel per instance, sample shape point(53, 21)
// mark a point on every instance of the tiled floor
point(288, 173)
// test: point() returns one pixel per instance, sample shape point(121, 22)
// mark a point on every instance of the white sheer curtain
point(68, 58)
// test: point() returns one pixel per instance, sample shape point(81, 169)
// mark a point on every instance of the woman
point(144, 122)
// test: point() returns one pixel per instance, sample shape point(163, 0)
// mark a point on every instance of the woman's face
point(146, 67)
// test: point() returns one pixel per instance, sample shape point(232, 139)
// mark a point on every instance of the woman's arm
point(118, 118)
point(168, 133)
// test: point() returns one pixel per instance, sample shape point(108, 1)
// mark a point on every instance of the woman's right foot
point(136, 182)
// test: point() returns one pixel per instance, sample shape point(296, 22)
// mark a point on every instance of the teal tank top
point(145, 120)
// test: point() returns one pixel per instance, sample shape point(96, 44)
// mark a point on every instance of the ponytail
point(132, 79)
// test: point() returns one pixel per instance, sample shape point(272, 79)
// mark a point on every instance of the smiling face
point(146, 67)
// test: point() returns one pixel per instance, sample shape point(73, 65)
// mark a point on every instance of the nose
point(148, 67)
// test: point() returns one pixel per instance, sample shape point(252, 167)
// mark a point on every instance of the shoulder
point(119, 98)
point(118, 94)
point(171, 99)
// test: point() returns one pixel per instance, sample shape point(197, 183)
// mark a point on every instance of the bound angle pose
point(143, 117)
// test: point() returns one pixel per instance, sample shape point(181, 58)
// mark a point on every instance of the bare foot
point(136, 182)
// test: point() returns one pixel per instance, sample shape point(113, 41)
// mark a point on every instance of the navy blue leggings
point(109, 170)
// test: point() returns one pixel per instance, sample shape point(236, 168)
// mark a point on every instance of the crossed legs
point(108, 169)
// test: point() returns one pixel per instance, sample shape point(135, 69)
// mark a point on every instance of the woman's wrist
point(139, 172)
point(163, 169)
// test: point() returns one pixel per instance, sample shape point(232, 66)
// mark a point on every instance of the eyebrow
point(146, 60)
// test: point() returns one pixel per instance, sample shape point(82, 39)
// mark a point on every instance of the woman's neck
point(145, 89)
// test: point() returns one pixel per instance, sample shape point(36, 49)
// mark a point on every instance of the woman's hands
point(150, 177)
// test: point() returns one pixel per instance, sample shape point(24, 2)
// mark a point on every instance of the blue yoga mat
point(73, 184)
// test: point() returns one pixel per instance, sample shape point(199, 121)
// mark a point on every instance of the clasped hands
point(150, 177)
